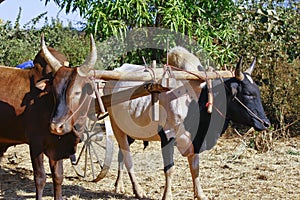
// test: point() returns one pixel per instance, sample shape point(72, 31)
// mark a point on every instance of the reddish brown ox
point(30, 104)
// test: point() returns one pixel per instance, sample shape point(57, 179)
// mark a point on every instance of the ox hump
point(182, 58)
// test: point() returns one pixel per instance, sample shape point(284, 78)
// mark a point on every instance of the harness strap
point(80, 106)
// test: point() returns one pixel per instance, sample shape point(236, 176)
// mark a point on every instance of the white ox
point(133, 118)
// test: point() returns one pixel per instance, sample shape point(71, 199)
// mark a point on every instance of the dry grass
point(228, 171)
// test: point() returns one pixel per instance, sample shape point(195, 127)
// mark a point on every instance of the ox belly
point(15, 84)
point(134, 118)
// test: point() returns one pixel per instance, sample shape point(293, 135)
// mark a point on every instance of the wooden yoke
point(159, 80)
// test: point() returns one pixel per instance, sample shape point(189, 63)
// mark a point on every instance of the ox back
point(14, 84)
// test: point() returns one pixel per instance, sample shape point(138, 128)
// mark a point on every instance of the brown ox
point(31, 103)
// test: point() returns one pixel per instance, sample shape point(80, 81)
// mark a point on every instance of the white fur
point(182, 58)
point(249, 78)
point(133, 118)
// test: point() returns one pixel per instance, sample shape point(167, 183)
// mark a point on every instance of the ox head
point(244, 102)
point(72, 91)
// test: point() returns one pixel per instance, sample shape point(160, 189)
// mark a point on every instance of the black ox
point(236, 100)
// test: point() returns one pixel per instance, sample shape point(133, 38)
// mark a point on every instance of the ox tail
point(146, 143)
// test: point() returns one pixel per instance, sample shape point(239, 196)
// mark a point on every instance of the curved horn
point(90, 61)
point(250, 69)
point(238, 74)
point(52, 61)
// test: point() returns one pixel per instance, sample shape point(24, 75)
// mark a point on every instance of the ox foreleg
point(38, 173)
point(56, 168)
point(167, 147)
point(121, 138)
point(194, 168)
point(119, 184)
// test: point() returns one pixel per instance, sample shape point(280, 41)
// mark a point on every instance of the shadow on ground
point(18, 184)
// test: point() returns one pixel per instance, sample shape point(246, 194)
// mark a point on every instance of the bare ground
point(228, 171)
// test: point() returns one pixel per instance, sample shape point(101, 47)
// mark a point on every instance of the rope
point(252, 113)
point(79, 107)
point(179, 69)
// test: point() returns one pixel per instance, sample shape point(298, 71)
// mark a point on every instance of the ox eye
point(249, 97)
point(77, 93)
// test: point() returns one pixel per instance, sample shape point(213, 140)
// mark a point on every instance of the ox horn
point(250, 69)
point(238, 73)
point(90, 61)
point(55, 64)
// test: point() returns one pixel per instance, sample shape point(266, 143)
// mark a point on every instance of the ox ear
point(88, 88)
point(42, 84)
point(234, 88)
point(90, 61)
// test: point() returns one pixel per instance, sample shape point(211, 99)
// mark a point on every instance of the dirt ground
point(228, 171)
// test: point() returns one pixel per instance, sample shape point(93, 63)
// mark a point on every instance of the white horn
point(250, 69)
point(51, 60)
point(90, 61)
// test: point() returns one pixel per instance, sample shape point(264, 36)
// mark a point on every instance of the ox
point(32, 111)
point(183, 118)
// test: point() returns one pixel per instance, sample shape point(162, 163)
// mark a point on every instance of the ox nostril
point(267, 124)
point(60, 126)
point(57, 128)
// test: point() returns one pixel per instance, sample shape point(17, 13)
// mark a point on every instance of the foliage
point(23, 43)
point(207, 22)
point(224, 29)
point(270, 31)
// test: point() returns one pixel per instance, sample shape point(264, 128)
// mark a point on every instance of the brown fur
point(25, 117)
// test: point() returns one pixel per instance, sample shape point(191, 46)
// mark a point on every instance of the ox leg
point(167, 147)
point(121, 138)
point(119, 184)
point(194, 168)
point(3, 149)
point(57, 177)
point(39, 174)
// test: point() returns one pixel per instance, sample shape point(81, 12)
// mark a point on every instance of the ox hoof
point(119, 186)
point(201, 197)
point(139, 192)
point(167, 198)
point(120, 189)
point(167, 195)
